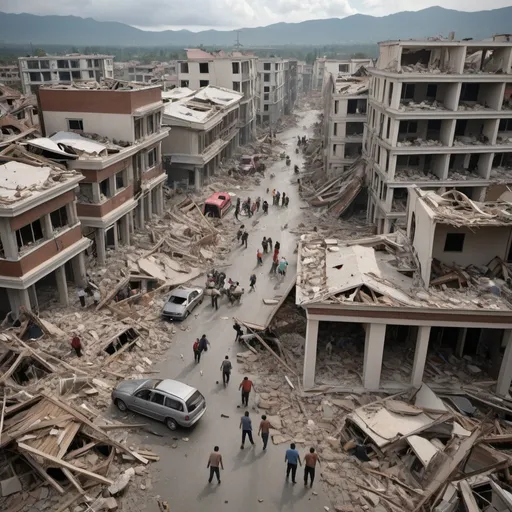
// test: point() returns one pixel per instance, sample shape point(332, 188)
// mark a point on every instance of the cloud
point(155, 14)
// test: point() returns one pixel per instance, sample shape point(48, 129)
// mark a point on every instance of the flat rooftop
point(104, 85)
point(69, 56)
point(197, 53)
point(351, 86)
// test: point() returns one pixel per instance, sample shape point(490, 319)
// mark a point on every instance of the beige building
point(440, 284)
point(10, 76)
point(229, 70)
point(41, 242)
point(204, 130)
point(440, 117)
point(323, 68)
point(121, 164)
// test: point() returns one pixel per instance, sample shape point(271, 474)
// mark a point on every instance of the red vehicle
point(217, 205)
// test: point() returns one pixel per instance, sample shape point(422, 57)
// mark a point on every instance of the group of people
point(249, 207)
point(277, 196)
point(301, 141)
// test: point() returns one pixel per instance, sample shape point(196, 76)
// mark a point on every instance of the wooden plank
point(2, 416)
point(470, 503)
point(68, 437)
point(79, 451)
point(63, 464)
point(112, 293)
point(43, 473)
point(73, 480)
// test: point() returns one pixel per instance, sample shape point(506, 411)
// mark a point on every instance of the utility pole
point(238, 44)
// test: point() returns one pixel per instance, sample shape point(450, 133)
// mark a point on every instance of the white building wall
point(114, 126)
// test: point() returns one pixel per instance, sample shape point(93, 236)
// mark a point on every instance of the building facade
point(235, 70)
point(440, 117)
point(323, 68)
point(345, 107)
point(123, 172)
point(274, 99)
point(63, 69)
point(204, 130)
point(162, 73)
point(10, 76)
point(40, 233)
point(305, 77)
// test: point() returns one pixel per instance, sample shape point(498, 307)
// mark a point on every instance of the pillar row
point(420, 356)
point(308, 377)
point(373, 352)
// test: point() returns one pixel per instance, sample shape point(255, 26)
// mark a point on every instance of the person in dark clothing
point(245, 237)
point(269, 240)
point(239, 330)
point(264, 245)
point(76, 344)
point(277, 246)
point(252, 283)
point(287, 201)
point(203, 346)
point(310, 461)
point(258, 203)
point(214, 463)
point(283, 199)
point(246, 426)
point(292, 458)
point(197, 353)
point(226, 370)
point(239, 234)
point(237, 211)
point(265, 207)
point(215, 298)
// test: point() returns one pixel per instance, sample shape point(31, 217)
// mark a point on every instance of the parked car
point(181, 302)
point(249, 164)
point(170, 401)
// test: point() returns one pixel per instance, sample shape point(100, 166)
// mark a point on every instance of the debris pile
point(471, 140)
point(409, 105)
point(419, 142)
point(415, 175)
point(471, 105)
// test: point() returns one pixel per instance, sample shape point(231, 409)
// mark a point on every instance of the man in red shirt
point(246, 385)
point(77, 345)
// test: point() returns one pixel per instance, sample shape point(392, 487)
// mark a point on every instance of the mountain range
point(359, 28)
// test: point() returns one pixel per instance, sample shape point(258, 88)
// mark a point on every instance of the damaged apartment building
point(439, 116)
point(432, 304)
point(345, 107)
point(324, 68)
point(277, 89)
point(204, 131)
point(111, 134)
point(230, 70)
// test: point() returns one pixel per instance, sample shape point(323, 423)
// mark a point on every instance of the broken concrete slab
point(121, 482)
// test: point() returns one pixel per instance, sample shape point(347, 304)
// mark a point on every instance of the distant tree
point(39, 52)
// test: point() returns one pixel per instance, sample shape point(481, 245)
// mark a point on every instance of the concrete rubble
point(409, 105)
point(419, 142)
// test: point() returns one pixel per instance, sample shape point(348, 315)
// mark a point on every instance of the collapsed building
point(439, 116)
point(324, 68)
point(205, 130)
point(439, 290)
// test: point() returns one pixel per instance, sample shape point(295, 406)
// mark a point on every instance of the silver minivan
point(167, 400)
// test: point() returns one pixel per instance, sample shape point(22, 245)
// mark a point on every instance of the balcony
point(103, 209)
point(421, 96)
point(423, 133)
point(474, 132)
point(152, 173)
point(419, 168)
point(502, 167)
point(41, 253)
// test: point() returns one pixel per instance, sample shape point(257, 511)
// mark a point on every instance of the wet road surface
point(250, 475)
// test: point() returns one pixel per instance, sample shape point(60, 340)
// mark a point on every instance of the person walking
point(277, 246)
point(258, 203)
point(237, 211)
point(310, 460)
point(278, 195)
point(238, 329)
point(226, 367)
point(264, 245)
point(246, 426)
point(273, 196)
point(252, 283)
point(283, 199)
point(287, 201)
point(281, 269)
point(81, 296)
point(246, 385)
point(203, 345)
point(275, 262)
point(259, 257)
point(215, 298)
point(215, 464)
point(76, 345)
point(253, 209)
point(269, 240)
point(265, 207)
point(197, 352)
point(239, 234)
point(245, 237)
point(292, 458)
point(264, 430)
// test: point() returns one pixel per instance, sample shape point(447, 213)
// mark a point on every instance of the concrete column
point(149, 199)
point(101, 254)
point(505, 375)
point(161, 200)
point(461, 341)
point(197, 178)
point(125, 229)
point(140, 212)
point(46, 224)
point(308, 378)
point(32, 294)
point(420, 356)
point(62, 285)
point(373, 350)
point(79, 272)
point(18, 298)
point(116, 236)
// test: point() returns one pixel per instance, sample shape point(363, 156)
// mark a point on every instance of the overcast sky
point(226, 14)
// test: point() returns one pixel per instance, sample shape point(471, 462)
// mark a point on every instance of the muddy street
point(250, 475)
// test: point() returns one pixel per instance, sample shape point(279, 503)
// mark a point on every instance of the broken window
point(408, 91)
point(64, 64)
point(151, 124)
point(29, 234)
point(460, 127)
point(266, 96)
point(47, 76)
point(85, 193)
point(236, 86)
point(408, 127)
point(454, 242)
point(183, 68)
point(336, 106)
point(120, 180)
point(35, 77)
point(335, 129)
point(32, 64)
point(505, 125)
point(138, 129)
point(265, 108)
point(96, 63)
point(74, 63)
point(76, 124)
point(431, 91)
point(151, 158)
point(184, 83)
point(266, 66)
point(91, 73)
point(105, 188)
point(236, 67)
point(59, 218)
point(266, 77)
point(469, 91)
point(203, 67)
point(75, 75)
point(343, 68)
point(124, 338)
point(204, 83)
